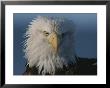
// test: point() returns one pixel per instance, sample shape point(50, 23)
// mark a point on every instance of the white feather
point(39, 53)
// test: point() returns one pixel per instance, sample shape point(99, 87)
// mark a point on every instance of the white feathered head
point(49, 44)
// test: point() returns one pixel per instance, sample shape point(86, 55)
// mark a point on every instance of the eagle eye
point(63, 34)
point(45, 33)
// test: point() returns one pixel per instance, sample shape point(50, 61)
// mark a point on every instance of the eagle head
point(49, 44)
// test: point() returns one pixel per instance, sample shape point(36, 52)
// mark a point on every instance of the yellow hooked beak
point(53, 40)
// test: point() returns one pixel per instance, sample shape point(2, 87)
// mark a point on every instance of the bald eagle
point(49, 47)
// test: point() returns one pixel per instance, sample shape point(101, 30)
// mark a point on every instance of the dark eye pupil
point(46, 33)
point(63, 34)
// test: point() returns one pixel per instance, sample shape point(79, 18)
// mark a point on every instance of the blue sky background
point(85, 35)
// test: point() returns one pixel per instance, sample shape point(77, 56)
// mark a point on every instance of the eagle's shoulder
point(84, 66)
